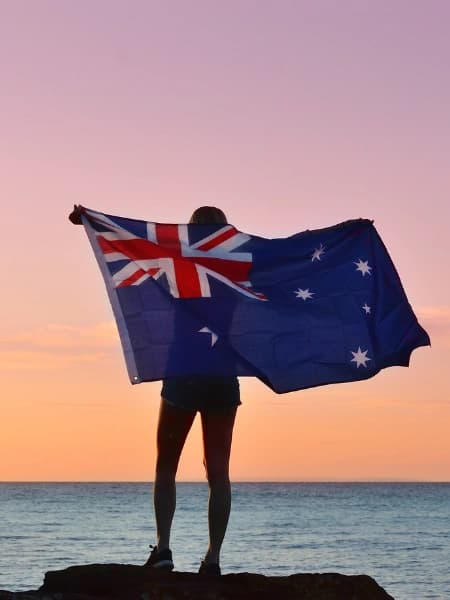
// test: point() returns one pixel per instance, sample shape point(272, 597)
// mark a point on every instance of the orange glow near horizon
point(93, 427)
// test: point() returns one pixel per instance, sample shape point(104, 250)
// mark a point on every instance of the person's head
point(206, 215)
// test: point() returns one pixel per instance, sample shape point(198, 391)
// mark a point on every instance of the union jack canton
point(166, 250)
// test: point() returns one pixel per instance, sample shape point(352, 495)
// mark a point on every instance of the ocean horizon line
point(233, 481)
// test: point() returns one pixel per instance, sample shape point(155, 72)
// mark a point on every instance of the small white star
point(360, 357)
point(367, 308)
point(214, 336)
point(363, 267)
point(318, 253)
point(303, 294)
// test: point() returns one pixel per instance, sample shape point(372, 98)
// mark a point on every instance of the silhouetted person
point(217, 399)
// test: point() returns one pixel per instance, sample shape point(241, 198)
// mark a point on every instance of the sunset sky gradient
point(289, 115)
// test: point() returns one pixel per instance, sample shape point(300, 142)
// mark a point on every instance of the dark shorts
point(204, 394)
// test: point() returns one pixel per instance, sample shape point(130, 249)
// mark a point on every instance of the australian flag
point(319, 307)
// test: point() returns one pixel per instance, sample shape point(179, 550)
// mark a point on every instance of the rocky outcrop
point(130, 582)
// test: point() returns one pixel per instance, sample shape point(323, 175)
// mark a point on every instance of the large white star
point(214, 336)
point(363, 267)
point(318, 253)
point(367, 308)
point(360, 357)
point(303, 294)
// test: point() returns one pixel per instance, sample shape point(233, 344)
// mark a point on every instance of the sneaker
point(209, 569)
point(160, 560)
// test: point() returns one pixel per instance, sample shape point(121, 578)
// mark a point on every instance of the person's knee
point(165, 472)
point(216, 474)
point(167, 463)
point(218, 480)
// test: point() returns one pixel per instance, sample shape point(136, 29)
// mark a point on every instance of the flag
point(318, 307)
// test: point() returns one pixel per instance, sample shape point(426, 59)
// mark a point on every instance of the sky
point(289, 116)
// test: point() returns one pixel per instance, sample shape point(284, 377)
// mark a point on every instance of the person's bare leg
point(173, 426)
point(217, 437)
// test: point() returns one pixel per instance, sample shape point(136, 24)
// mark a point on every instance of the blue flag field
point(319, 307)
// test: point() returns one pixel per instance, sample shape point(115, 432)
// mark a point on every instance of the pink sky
point(289, 116)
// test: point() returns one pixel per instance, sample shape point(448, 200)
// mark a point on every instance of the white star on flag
point(214, 336)
point(367, 308)
point(304, 294)
point(317, 253)
point(363, 267)
point(360, 357)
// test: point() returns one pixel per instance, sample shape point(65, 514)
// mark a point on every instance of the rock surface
point(131, 582)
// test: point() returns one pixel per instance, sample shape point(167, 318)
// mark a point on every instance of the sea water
point(397, 533)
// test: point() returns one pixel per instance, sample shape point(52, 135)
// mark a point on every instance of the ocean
point(397, 533)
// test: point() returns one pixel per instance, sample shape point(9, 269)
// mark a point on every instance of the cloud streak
point(56, 346)
point(436, 320)
point(100, 335)
point(18, 360)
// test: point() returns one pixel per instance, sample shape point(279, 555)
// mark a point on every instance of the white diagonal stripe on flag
point(114, 236)
point(234, 242)
point(124, 273)
point(115, 256)
point(211, 237)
